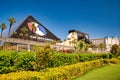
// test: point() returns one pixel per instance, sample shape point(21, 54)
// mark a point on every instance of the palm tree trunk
point(1, 38)
point(1, 33)
point(9, 30)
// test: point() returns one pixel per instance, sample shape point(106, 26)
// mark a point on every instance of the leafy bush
point(13, 61)
point(24, 61)
point(7, 61)
point(42, 58)
point(58, 73)
point(115, 50)
point(118, 57)
point(59, 59)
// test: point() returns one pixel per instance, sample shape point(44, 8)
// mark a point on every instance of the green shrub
point(118, 57)
point(60, 59)
point(42, 57)
point(115, 50)
point(7, 61)
point(24, 61)
point(114, 61)
point(58, 73)
point(13, 61)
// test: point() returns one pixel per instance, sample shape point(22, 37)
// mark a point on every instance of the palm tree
point(14, 33)
point(21, 35)
point(23, 32)
point(36, 35)
point(33, 29)
point(101, 46)
point(26, 35)
point(2, 27)
point(12, 21)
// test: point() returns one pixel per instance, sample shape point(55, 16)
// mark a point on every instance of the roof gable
point(42, 32)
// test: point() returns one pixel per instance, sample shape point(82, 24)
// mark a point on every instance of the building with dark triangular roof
point(75, 34)
point(31, 29)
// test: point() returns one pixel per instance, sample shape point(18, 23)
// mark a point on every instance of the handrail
point(30, 42)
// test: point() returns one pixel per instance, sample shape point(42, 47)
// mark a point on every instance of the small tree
point(36, 35)
point(33, 30)
point(21, 35)
point(80, 45)
point(23, 32)
point(14, 33)
point(115, 49)
point(92, 45)
point(42, 57)
point(101, 46)
point(6, 45)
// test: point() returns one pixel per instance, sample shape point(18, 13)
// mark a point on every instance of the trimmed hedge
point(7, 61)
point(60, 59)
point(59, 73)
point(11, 61)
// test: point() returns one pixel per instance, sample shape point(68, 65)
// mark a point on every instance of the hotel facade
point(108, 41)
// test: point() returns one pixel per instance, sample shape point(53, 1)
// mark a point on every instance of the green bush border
point(59, 73)
point(11, 61)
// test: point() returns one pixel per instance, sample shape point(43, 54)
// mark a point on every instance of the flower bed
point(58, 73)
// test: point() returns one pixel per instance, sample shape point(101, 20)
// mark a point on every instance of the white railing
point(30, 42)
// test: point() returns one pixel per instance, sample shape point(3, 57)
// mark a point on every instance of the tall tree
point(2, 27)
point(12, 21)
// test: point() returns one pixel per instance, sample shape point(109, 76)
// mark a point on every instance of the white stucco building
point(108, 41)
point(74, 36)
point(111, 41)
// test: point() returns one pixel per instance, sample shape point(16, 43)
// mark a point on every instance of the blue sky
point(98, 18)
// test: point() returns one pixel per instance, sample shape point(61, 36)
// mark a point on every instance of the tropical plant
point(21, 35)
point(24, 60)
point(26, 35)
point(115, 49)
point(36, 35)
point(33, 29)
point(2, 27)
point(6, 45)
point(101, 46)
point(42, 57)
point(92, 45)
point(80, 45)
point(12, 21)
point(14, 33)
point(23, 32)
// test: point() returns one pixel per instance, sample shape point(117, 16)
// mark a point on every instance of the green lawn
point(110, 72)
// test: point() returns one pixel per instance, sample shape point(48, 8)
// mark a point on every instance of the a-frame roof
point(29, 20)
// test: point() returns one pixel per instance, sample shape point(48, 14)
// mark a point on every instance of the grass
point(110, 72)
